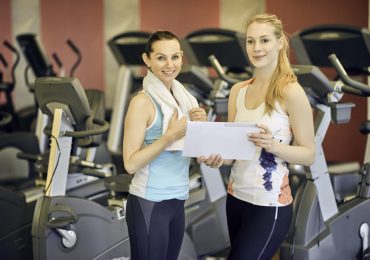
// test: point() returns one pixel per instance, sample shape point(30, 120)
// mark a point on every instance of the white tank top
point(258, 181)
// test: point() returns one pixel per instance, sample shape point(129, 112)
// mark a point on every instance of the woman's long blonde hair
point(283, 74)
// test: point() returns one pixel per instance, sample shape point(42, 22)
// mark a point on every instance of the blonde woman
point(259, 203)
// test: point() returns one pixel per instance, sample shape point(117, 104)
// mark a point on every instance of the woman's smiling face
point(262, 45)
point(165, 60)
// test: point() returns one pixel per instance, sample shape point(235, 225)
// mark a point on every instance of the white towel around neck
point(185, 102)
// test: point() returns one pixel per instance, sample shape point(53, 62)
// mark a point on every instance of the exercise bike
point(18, 195)
point(66, 226)
point(322, 228)
point(70, 227)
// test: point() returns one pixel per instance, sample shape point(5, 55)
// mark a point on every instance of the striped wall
point(25, 18)
point(235, 13)
point(91, 23)
point(179, 16)
point(5, 34)
point(119, 16)
point(80, 21)
point(5, 25)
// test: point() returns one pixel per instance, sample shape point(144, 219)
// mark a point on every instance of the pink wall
point(343, 142)
point(81, 21)
point(180, 17)
point(297, 15)
point(5, 29)
point(5, 34)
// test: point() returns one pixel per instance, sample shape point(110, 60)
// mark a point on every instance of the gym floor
point(275, 257)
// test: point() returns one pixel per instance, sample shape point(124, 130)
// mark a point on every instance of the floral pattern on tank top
point(267, 161)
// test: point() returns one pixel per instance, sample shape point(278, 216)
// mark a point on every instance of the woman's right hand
point(213, 161)
point(176, 127)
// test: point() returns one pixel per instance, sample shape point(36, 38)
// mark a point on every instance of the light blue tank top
point(167, 176)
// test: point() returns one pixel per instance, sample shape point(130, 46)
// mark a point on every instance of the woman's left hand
point(198, 114)
point(213, 161)
point(263, 139)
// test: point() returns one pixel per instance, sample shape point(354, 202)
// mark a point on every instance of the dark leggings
point(254, 232)
point(156, 229)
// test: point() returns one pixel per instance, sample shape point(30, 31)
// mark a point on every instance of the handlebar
point(103, 128)
point(3, 61)
point(59, 64)
point(355, 85)
point(73, 47)
point(70, 217)
point(79, 56)
point(6, 118)
point(220, 71)
point(10, 47)
point(57, 60)
point(29, 157)
point(15, 64)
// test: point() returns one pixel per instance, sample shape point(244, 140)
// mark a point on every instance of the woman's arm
point(135, 155)
point(231, 106)
point(302, 149)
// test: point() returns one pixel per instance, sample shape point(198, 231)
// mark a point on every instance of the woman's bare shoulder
point(141, 99)
point(235, 88)
point(293, 91)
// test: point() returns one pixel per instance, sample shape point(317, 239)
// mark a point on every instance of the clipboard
point(229, 139)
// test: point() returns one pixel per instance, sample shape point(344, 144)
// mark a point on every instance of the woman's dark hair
point(158, 36)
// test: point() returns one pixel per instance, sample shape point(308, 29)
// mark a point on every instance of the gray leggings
point(156, 229)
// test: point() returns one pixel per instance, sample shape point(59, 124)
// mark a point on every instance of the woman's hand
point(263, 139)
point(213, 161)
point(176, 127)
point(198, 114)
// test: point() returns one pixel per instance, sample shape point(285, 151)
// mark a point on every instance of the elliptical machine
point(22, 118)
point(37, 61)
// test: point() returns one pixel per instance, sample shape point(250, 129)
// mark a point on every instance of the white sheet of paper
point(230, 140)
